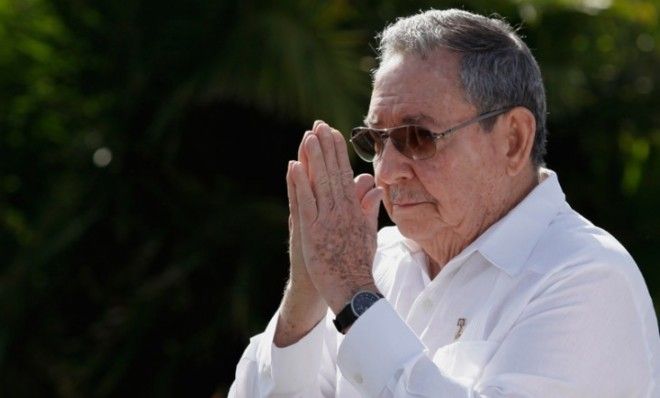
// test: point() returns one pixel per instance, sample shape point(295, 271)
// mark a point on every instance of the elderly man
point(493, 286)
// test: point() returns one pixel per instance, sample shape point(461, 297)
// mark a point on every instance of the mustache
point(404, 195)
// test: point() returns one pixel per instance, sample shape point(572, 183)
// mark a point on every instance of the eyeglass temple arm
point(476, 119)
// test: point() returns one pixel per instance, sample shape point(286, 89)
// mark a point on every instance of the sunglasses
point(412, 141)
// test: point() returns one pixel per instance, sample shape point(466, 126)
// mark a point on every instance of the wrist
point(303, 296)
point(340, 301)
point(358, 305)
point(299, 313)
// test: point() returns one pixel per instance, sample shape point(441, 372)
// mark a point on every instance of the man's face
point(455, 191)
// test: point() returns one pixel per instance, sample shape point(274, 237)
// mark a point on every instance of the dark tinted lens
point(413, 142)
point(366, 143)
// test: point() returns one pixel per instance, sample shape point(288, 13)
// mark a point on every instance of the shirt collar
point(508, 243)
point(413, 246)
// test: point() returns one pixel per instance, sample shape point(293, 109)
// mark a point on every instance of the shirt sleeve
point(303, 369)
point(580, 336)
point(382, 357)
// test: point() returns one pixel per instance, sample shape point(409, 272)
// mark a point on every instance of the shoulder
point(571, 240)
point(575, 252)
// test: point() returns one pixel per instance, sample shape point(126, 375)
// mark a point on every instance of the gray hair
point(497, 68)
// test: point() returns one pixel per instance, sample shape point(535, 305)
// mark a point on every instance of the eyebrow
point(408, 119)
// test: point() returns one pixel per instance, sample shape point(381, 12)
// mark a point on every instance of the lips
point(410, 205)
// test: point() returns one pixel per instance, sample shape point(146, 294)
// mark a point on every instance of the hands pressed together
point(332, 227)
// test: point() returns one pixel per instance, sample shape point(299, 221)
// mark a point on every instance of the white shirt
point(542, 304)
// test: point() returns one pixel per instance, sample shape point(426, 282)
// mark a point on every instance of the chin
point(414, 229)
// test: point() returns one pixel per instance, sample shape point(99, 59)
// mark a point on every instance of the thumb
point(371, 204)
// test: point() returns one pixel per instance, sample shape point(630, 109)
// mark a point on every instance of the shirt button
point(358, 378)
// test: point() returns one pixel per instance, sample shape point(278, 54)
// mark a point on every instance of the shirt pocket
point(464, 361)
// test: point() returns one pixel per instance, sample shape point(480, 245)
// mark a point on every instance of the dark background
point(143, 149)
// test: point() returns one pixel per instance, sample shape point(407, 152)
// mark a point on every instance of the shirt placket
point(430, 299)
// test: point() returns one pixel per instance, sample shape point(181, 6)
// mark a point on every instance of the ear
point(520, 129)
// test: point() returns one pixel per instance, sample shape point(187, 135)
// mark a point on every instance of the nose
point(391, 166)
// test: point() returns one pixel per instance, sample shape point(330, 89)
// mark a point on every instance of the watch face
point(362, 301)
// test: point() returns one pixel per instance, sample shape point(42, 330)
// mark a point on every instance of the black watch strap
point(356, 307)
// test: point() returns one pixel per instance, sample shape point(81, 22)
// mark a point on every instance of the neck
point(448, 244)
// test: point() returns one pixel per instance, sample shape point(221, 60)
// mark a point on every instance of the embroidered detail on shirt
point(461, 326)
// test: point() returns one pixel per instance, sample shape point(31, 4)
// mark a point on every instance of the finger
point(305, 201)
point(363, 183)
point(318, 175)
point(302, 154)
point(295, 255)
point(291, 193)
point(316, 123)
point(345, 169)
point(371, 204)
point(326, 139)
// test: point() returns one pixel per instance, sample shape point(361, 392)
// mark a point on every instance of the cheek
point(437, 177)
point(451, 181)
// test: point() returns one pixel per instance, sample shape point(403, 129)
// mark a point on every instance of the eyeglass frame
point(436, 136)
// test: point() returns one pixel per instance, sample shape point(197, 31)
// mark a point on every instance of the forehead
point(408, 87)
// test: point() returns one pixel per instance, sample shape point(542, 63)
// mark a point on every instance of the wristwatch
point(360, 303)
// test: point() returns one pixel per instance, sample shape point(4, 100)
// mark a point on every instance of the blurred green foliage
point(143, 149)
